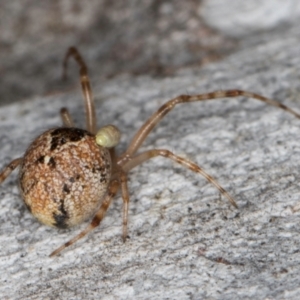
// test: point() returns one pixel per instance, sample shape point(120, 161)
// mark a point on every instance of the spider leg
point(112, 190)
point(125, 196)
point(9, 168)
point(140, 158)
point(66, 117)
point(86, 87)
point(119, 173)
point(147, 127)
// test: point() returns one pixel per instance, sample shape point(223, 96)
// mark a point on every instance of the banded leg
point(147, 127)
point(66, 117)
point(9, 168)
point(125, 196)
point(140, 158)
point(112, 190)
point(86, 87)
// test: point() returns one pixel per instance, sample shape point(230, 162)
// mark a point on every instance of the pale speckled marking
point(60, 176)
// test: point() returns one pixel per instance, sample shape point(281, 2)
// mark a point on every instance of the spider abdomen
point(63, 176)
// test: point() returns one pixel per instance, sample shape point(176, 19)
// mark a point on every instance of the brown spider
point(68, 175)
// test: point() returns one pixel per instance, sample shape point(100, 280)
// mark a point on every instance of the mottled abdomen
point(63, 176)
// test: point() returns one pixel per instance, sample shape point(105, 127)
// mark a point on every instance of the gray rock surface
point(238, 18)
point(186, 242)
point(136, 37)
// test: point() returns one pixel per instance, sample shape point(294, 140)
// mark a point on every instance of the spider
point(68, 175)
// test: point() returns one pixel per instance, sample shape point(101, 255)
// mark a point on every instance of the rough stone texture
point(185, 241)
point(135, 37)
point(249, 17)
point(150, 37)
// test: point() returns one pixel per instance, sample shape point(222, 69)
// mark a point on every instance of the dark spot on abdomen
point(62, 217)
point(66, 189)
point(40, 159)
point(52, 163)
point(61, 136)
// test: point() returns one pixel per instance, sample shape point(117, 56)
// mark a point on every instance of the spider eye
point(108, 136)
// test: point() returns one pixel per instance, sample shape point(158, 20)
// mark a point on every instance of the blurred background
point(134, 37)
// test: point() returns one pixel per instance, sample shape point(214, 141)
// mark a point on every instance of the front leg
point(140, 158)
point(125, 196)
point(9, 168)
